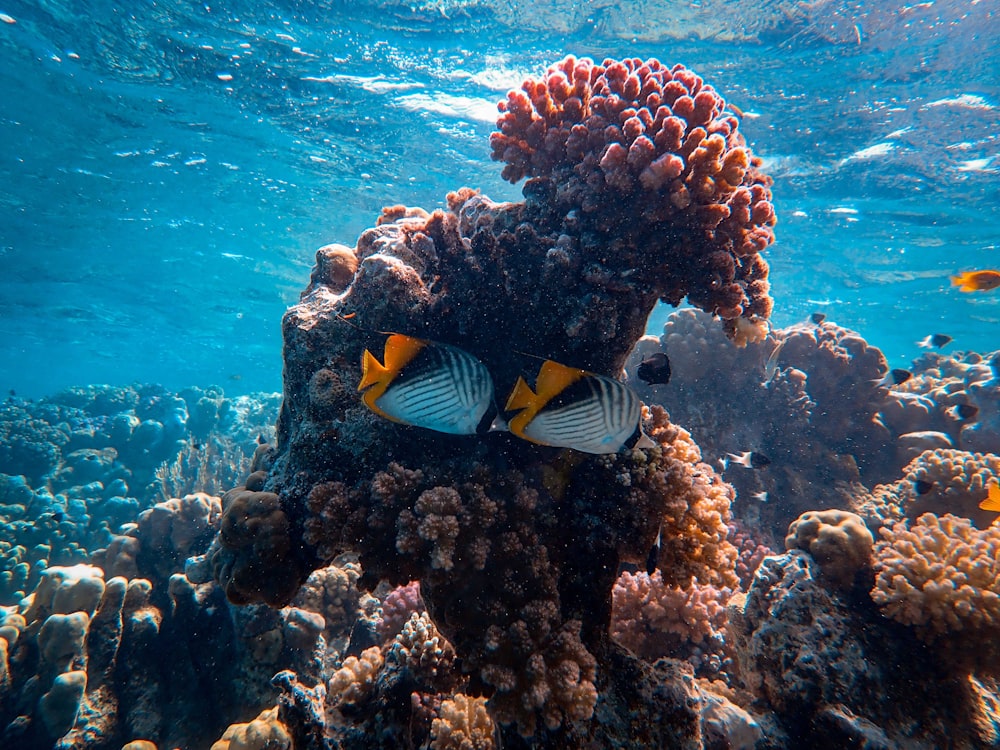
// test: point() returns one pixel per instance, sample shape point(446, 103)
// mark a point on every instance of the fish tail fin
point(644, 441)
point(964, 281)
point(521, 397)
point(371, 371)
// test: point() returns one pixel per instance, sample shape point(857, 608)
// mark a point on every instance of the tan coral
point(837, 539)
point(421, 647)
point(265, 732)
point(463, 724)
point(355, 680)
point(940, 575)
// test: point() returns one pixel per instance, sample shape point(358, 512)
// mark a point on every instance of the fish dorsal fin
point(521, 397)
point(400, 350)
point(992, 501)
point(554, 378)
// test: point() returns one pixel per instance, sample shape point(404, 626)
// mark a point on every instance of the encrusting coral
point(517, 546)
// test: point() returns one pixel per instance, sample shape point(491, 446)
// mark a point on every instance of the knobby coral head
point(636, 149)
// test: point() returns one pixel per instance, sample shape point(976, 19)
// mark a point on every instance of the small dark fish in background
point(962, 412)
point(654, 552)
point(818, 318)
point(654, 369)
point(934, 341)
point(750, 459)
point(922, 486)
point(894, 377)
point(12, 393)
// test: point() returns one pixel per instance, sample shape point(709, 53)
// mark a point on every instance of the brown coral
point(255, 561)
point(837, 539)
point(266, 732)
point(654, 619)
point(658, 144)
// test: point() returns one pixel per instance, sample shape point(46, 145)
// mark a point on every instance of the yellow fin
point(554, 378)
point(521, 397)
point(992, 501)
point(400, 350)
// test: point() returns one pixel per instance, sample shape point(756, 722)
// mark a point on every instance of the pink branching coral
point(397, 607)
point(750, 552)
point(654, 619)
point(941, 575)
point(638, 143)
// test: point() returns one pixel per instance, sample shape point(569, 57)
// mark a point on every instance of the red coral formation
point(637, 144)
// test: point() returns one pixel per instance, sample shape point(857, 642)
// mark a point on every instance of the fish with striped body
point(426, 384)
point(572, 408)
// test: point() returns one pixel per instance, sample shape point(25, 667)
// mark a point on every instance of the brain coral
point(637, 143)
point(837, 539)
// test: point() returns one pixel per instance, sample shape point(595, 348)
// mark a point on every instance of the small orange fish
point(976, 281)
point(992, 501)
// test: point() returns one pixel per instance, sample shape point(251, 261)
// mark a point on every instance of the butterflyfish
point(976, 281)
point(572, 408)
point(426, 384)
point(992, 501)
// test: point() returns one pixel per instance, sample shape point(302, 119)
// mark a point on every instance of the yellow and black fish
point(572, 408)
point(426, 384)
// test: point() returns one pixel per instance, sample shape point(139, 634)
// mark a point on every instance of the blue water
point(167, 171)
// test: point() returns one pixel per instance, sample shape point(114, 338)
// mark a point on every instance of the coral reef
point(831, 673)
point(109, 454)
point(517, 546)
point(811, 399)
point(937, 481)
